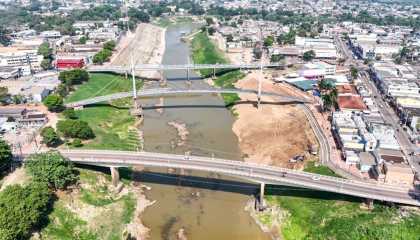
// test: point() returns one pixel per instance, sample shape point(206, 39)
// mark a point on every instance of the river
point(202, 213)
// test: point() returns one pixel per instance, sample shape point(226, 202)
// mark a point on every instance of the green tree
point(50, 137)
point(6, 155)
point(276, 58)
point(45, 50)
point(75, 129)
point(211, 31)
point(83, 39)
point(21, 209)
point(209, 21)
point(308, 55)
point(46, 64)
point(70, 113)
point(268, 41)
point(54, 103)
point(51, 168)
point(110, 45)
point(4, 95)
point(74, 76)
point(353, 72)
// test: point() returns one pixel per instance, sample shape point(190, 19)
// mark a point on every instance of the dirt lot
point(147, 45)
point(274, 133)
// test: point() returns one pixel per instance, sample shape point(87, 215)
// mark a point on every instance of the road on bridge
point(249, 171)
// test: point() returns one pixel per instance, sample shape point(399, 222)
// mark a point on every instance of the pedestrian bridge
point(163, 67)
point(168, 92)
point(251, 172)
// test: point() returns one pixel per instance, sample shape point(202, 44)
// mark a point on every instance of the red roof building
point(351, 102)
point(70, 63)
point(346, 89)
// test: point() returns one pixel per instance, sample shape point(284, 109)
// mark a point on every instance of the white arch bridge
point(168, 91)
point(262, 174)
point(164, 67)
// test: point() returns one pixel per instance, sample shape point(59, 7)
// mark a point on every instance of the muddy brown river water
point(203, 209)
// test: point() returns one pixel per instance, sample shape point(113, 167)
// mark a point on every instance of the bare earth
point(146, 46)
point(274, 133)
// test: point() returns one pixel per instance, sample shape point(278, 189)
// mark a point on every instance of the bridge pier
point(214, 72)
point(188, 74)
point(115, 175)
point(162, 79)
point(369, 203)
point(262, 206)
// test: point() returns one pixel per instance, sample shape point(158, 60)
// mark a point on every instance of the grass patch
point(323, 170)
point(66, 225)
point(113, 128)
point(129, 203)
point(113, 125)
point(324, 215)
point(312, 218)
point(204, 51)
point(101, 84)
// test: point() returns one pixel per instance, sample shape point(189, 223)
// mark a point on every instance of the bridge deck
point(168, 91)
point(253, 172)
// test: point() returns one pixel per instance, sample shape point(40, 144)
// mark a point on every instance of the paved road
point(249, 171)
point(169, 91)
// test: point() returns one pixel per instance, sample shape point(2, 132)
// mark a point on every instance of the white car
point(316, 178)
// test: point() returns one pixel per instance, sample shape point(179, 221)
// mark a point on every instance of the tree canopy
point(75, 129)
point(74, 76)
point(21, 209)
point(54, 103)
point(51, 168)
point(50, 137)
point(308, 55)
point(6, 156)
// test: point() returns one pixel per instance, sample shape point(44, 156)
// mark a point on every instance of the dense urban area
point(209, 119)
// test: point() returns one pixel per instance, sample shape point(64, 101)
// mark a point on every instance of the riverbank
point(145, 46)
point(204, 51)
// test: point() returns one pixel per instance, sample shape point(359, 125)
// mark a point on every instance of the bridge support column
point(126, 75)
point(188, 74)
point(115, 176)
point(214, 72)
point(262, 202)
point(369, 203)
point(162, 78)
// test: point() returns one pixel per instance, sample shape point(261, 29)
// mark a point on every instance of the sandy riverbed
point(146, 46)
point(274, 133)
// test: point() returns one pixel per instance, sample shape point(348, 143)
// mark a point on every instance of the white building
point(27, 61)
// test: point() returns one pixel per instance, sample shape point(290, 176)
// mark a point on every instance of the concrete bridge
point(261, 174)
point(169, 91)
